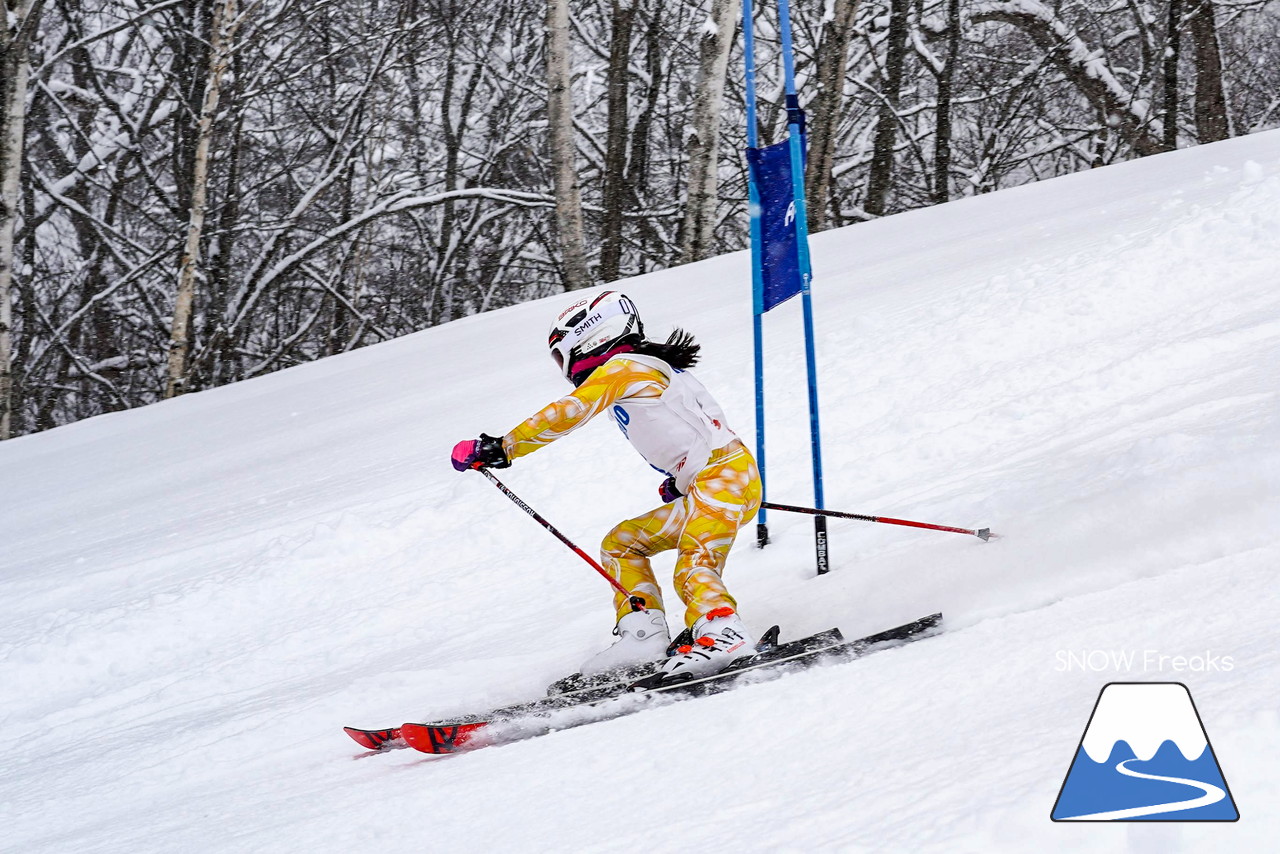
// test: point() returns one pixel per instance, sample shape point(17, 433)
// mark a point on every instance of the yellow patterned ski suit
point(702, 525)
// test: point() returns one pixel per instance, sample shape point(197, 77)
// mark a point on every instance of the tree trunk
point(14, 72)
point(881, 178)
point(824, 119)
point(1172, 55)
point(218, 349)
point(655, 242)
point(946, 93)
point(1212, 121)
point(223, 31)
point(615, 156)
point(703, 137)
point(573, 243)
point(639, 165)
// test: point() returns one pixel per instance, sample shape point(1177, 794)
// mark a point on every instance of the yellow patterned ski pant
point(702, 526)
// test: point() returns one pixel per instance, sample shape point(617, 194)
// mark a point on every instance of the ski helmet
point(585, 333)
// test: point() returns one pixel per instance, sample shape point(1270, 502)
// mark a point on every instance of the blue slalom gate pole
point(757, 273)
point(795, 129)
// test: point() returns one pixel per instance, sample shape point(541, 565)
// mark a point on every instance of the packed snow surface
point(195, 597)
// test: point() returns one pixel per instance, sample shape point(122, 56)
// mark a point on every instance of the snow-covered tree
point(374, 167)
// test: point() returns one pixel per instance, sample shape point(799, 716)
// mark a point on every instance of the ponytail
point(680, 351)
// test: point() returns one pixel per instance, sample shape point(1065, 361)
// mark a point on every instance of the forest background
point(197, 192)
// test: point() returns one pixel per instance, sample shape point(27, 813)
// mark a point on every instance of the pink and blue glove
point(667, 490)
point(483, 453)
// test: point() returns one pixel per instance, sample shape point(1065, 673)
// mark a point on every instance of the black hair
point(680, 350)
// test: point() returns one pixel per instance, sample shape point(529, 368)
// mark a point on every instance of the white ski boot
point(642, 636)
point(720, 639)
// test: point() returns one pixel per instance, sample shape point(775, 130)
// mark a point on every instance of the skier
point(711, 490)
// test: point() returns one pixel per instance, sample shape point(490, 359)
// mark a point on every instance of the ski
point(588, 705)
point(373, 739)
point(578, 690)
point(575, 691)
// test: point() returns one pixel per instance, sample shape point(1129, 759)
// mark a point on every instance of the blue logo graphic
point(622, 418)
point(1145, 756)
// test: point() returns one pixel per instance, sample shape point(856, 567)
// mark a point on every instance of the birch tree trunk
point(824, 121)
point(703, 137)
point(1212, 122)
point(15, 40)
point(223, 31)
point(573, 243)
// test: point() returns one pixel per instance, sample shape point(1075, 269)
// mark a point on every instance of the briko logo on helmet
point(589, 329)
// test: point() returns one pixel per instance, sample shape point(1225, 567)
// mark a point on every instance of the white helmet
point(585, 332)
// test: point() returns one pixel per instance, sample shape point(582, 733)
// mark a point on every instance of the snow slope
point(195, 597)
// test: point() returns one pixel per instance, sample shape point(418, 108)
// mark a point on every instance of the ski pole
point(983, 533)
point(637, 602)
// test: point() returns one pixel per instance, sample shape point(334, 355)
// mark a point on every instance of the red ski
point(374, 739)
point(439, 738)
point(428, 738)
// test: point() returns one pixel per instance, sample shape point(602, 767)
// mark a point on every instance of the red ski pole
point(983, 533)
point(637, 602)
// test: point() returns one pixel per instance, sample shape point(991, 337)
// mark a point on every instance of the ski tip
point(373, 739)
point(440, 738)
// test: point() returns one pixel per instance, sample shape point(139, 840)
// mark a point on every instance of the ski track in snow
point(195, 597)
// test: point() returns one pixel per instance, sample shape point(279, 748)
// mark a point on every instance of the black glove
point(668, 490)
point(482, 453)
